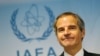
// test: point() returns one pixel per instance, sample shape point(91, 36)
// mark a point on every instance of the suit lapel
point(85, 53)
point(62, 54)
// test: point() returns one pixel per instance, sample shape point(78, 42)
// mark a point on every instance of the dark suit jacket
point(85, 54)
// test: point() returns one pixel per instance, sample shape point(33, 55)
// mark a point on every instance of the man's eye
point(72, 27)
point(60, 29)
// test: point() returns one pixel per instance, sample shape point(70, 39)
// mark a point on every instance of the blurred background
point(26, 26)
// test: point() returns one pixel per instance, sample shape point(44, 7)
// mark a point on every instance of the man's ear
point(83, 34)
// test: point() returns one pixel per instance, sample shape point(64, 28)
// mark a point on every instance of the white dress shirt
point(79, 53)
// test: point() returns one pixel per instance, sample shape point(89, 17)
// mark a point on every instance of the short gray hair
point(80, 21)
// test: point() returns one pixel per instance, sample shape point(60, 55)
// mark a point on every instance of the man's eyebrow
point(59, 27)
point(67, 26)
point(72, 25)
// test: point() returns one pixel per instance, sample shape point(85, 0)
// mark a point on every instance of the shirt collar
point(79, 53)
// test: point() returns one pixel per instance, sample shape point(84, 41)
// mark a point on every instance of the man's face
point(68, 32)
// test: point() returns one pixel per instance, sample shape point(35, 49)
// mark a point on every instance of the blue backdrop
point(26, 26)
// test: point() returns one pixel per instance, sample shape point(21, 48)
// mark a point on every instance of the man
point(70, 31)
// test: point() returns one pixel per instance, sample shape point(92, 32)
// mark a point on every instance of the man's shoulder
point(85, 54)
point(94, 54)
point(90, 54)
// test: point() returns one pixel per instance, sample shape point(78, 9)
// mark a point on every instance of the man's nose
point(66, 32)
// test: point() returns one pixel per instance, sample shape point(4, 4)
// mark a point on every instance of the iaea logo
point(33, 23)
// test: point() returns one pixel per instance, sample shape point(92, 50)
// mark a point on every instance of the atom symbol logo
point(32, 22)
